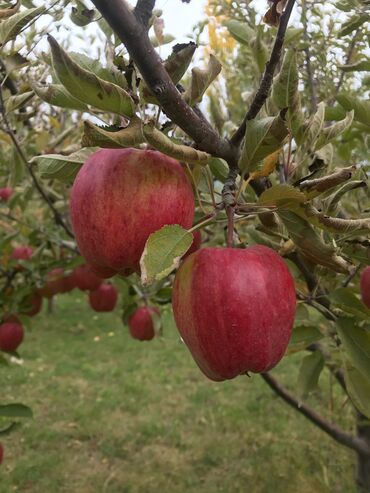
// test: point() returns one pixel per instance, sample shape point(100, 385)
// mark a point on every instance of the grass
point(113, 415)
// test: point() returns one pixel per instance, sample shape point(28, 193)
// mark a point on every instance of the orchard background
point(267, 110)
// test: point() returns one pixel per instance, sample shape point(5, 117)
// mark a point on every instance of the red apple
point(86, 279)
point(103, 299)
point(53, 285)
point(141, 324)
point(365, 286)
point(6, 193)
point(234, 309)
point(1, 453)
point(11, 336)
point(34, 302)
point(22, 253)
point(195, 245)
point(120, 197)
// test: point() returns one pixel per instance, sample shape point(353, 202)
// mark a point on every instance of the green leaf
point(10, 28)
point(164, 144)
point(109, 74)
point(163, 251)
point(360, 107)
point(15, 411)
point(353, 23)
point(309, 373)
point(201, 79)
point(15, 102)
point(219, 168)
point(285, 87)
point(292, 34)
point(330, 133)
point(349, 303)
point(333, 200)
point(57, 95)
point(88, 87)
point(302, 337)
point(130, 136)
point(63, 168)
point(356, 342)
point(314, 127)
point(334, 113)
point(179, 60)
point(240, 31)
point(259, 52)
point(310, 244)
point(262, 138)
point(82, 16)
point(282, 197)
point(358, 387)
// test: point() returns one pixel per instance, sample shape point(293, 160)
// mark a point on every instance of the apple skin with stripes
point(234, 309)
point(120, 197)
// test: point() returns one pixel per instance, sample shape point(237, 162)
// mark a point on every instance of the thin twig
point(340, 436)
point(266, 82)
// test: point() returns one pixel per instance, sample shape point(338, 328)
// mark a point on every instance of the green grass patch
point(114, 415)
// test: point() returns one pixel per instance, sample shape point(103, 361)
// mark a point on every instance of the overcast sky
point(180, 17)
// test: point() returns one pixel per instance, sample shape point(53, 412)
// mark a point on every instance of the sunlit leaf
point(262, 138)
point(302, 337)
point(130, 136)
point(63, 168)
point(309, 373)
point(361, 108)
point(310, 244)
point(10, 28)
point(88, 87)
point(240, 31)
point(201, 79)
point(57, 95)
point(164, 144)
point(163, 251)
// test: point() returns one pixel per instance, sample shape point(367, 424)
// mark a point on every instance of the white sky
point(181, 17)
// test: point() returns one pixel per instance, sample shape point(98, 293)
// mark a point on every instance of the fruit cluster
point(234, 308)
point(102, 298)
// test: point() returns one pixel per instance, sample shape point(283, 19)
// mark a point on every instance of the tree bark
point(363, 461)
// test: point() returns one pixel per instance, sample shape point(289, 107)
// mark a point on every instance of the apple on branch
point(120, 197)
point(234, 309)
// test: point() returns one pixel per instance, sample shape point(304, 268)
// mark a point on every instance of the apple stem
point(230, 226)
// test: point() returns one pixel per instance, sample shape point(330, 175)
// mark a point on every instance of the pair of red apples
point(234, 308)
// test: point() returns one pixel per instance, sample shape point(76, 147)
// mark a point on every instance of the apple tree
point(270, 125)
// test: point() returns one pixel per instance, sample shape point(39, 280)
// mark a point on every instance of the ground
point(114, 415)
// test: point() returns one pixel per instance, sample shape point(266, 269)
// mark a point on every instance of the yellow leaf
point(269, 165)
